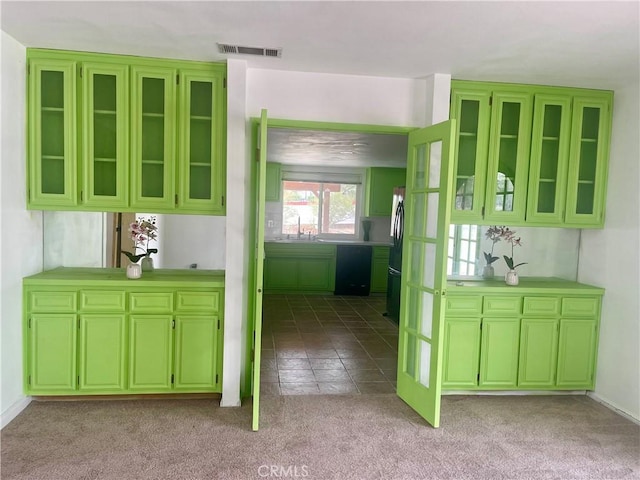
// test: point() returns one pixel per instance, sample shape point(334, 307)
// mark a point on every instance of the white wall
point(610, 258)
point(20, 230)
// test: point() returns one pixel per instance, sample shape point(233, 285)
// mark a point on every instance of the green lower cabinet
point(379, 269)
point(316, 274)
point(538, 352)
point(280, 274)
point(576, 353)
point(103, 353)
point(499, 352)
point(196, 353)
point(461, 352)
point(51, 353)
point(299, 267)
point(150, 352)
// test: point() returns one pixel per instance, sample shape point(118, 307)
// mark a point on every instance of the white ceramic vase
point(511, 278)
point(134, 271)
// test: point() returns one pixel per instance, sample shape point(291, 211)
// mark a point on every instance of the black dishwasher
point(353, 270)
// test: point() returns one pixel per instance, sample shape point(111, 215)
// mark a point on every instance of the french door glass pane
point(429, 265)
point(410, 356)
point(415, 262)
point(435, 159)
point(421, 166)
point(425, 363)
point(418, 214)
point(413, 306)
point(432, 215)
point(427, 314)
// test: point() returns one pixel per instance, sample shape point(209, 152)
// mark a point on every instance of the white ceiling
point(585, 44)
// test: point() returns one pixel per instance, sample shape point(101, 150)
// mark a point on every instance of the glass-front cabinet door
point(201, 170)
point(153, 99)
point(588, 158)
point(549, 158)
point(471, 108)
point(105, 125)
point(52, 133)
point(508, 159)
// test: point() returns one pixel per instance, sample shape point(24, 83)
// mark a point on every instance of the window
point(463, 249)
point(321, 201)
point(320, 208)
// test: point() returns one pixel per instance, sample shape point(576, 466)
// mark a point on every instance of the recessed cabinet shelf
point(523, 152)
point(140, 124)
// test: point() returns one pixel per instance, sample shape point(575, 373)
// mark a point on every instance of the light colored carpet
point(322, 437)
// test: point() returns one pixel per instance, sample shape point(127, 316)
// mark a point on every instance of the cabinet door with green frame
point(202, 142)
point(150, 352)
point(499, 352)
point(103, 352)
point(196, 354)
point(472, 109)
point(576, 353)
point(508, 160)
point(105, 134)
point(588, 160)
point(52, 353)
point(549, 159)
point(52, 134)
point(538, 352)
point(153, 132)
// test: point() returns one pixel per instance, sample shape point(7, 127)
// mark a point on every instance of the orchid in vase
point(510, 237)
point(143, 231)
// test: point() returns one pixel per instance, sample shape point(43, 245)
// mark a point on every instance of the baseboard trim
point(514, 392)
point(597, 398)
point(13, 411)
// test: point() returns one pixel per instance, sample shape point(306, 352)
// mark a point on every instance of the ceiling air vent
point(259, 51)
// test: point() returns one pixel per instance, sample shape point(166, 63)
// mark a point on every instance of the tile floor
point(327, 345)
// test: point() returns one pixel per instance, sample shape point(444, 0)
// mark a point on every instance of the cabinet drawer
point(470, 305)
point(502, 305)
point(53, 302)
point(541, 306)
point(197, 301)
point(580, 307)
point(161, 302)
point(102, 301)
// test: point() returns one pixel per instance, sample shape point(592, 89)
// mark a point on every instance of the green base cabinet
point(299, 268)
point(540, 335)
point(151, 133)
point(93, 331)
point(379, 269)
point(530, 154)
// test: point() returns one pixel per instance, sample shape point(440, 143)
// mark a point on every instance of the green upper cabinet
point(549, 159)
point(471, 108)
point(530, 155)
point(379, 189)
point(105, 134)
point(507, 168)
point(151, 133)
point(202, 144)
point(273, 185)
point(588, 160)
point(52, 144)
point(153, 103)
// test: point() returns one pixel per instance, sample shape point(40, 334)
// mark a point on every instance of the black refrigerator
point(395, 255)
